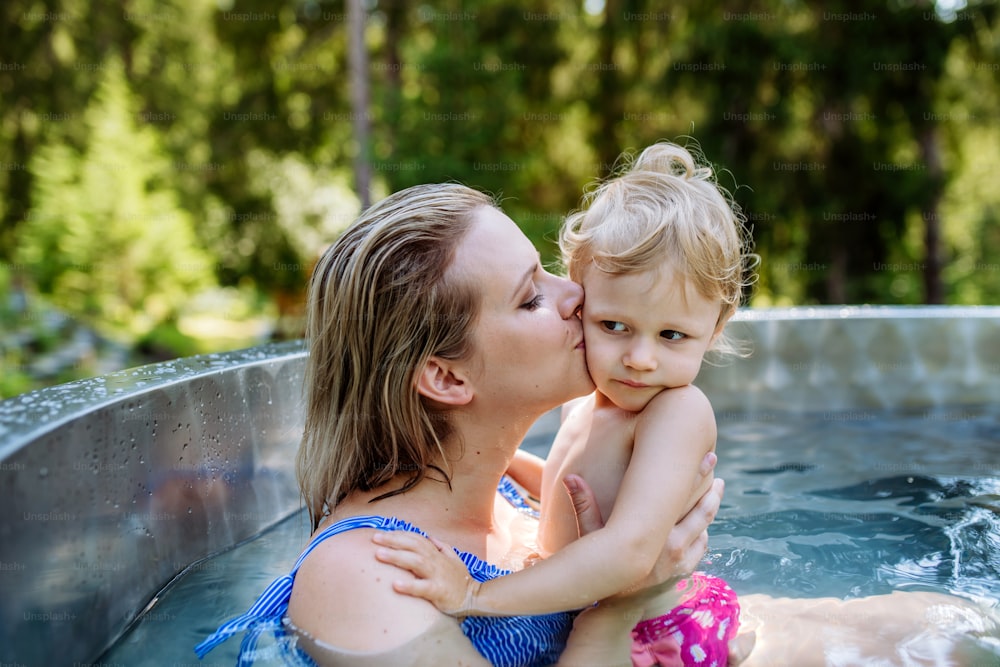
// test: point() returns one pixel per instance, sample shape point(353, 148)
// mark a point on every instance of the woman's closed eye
point(534, 302)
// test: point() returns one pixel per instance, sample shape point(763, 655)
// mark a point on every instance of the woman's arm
point(440, 644)
point(600, 633)
point(526, 469)
point(383, 629)
point(674, 433)
point(373, 625)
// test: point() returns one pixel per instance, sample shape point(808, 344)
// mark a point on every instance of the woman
point(436, 340)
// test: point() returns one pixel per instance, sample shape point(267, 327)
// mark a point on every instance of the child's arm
point(673, 434)
point(526, 469)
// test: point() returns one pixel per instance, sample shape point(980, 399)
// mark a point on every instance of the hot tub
point(115, 485)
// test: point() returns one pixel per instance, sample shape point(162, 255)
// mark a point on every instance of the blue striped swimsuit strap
point(352, 523)
point(266, 613)
point(511, 494)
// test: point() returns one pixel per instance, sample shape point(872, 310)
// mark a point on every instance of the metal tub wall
point(114, 485)
point(856, 357)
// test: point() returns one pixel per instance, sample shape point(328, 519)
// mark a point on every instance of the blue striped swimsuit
point(506, 641)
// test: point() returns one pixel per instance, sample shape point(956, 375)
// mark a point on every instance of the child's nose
point(640, 357)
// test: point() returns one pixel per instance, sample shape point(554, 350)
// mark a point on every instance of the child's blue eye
point(670, 334)
point(611, 325)
point(534, 303)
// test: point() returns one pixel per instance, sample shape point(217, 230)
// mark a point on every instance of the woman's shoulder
point(435, 646)
point(343, 601)
point(344, 597)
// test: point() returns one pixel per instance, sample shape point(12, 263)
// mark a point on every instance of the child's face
point(645, 332)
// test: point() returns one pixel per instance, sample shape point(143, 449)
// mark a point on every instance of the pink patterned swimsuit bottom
point(695, 633)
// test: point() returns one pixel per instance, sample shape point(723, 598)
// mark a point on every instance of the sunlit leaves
point(106, 237)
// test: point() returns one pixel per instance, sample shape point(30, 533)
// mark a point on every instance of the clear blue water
point(841, 504)
point(860, 503)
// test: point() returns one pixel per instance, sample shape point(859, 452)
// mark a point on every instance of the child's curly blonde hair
point(664, 208)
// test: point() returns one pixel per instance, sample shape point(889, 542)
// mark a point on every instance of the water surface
point(842, 504)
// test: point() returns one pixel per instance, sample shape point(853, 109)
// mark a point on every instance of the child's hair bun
point(670, 159)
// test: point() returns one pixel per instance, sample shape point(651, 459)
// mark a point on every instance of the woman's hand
point(685, 546)
point(688, 540)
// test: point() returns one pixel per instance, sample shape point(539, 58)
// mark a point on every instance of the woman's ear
point(444, 381)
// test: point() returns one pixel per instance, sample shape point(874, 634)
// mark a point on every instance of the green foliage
point(159, 148)
point(106, 237)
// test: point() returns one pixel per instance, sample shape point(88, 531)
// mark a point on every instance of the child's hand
point(441, 577)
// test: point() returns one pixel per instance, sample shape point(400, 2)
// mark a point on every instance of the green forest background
point(171, 169)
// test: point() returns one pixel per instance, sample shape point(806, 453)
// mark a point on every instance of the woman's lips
point(580, 345)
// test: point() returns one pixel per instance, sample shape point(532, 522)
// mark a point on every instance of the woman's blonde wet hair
point(664, 209)
point(381, 303)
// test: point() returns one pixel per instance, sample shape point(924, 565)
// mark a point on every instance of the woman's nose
point(570, 297)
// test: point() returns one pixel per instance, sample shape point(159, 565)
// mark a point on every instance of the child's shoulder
point(575, 421)
point(688, 402)
point(577, 407)
point(683, 415)
point(584, 416)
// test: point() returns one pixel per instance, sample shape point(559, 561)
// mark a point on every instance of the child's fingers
point(439, 545)
point(446, 550)
point(405, 540)
point(401, 539)
point(406, 560)
point(432, 592)
point(418, 588)
point(415, 553)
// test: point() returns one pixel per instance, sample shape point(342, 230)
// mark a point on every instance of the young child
point(661, 255)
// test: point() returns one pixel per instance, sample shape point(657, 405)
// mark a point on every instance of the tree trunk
point(395, 19)
point(933, 287)
point(610, 103)
point(358, 59)
point(836, 278)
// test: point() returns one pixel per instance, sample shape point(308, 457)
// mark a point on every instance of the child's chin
point(630, 403)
